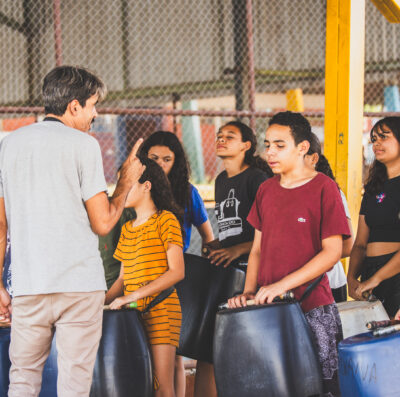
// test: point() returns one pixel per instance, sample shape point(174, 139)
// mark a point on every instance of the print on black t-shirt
point(233, 199)
point(229, 222)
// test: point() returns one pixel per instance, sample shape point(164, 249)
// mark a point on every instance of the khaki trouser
point(77, 319)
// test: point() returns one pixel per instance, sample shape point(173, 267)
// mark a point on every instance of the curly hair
point(180, 171)
point(161, 192)
point(378, 173)
point(248, 136)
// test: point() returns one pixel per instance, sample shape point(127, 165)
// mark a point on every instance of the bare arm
point(117, 289)
point(390, 269)
point(250, 287)
point(319, 264)
point(175, 273)
point(103, 213)
point(348, 242)
point(5, 301)
point(206, 232)
point(357, 256)
point(227, 255)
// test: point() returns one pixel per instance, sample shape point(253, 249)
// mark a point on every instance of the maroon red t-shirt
point(293, 223)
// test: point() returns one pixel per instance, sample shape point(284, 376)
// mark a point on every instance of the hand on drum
point(119, 302)
point(365, 288)
point(223, 256)
point(267, 293)
point(397, 315)
point(240, 300)
point(353, 284)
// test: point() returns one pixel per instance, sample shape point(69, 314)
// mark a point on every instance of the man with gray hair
point(53, 203)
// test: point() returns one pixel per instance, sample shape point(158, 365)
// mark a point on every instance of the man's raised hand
point(132, 168)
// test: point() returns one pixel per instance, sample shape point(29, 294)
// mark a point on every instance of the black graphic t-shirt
point(382, 212)
point(233, 199)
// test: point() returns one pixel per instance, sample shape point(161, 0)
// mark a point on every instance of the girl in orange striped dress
point(150, 250)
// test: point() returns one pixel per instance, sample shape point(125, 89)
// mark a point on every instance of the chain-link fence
point(186, 66)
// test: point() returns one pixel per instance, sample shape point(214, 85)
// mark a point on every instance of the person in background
point(300, 224)
point(166, 150)
point(336, 276)
point(150, 249)
point(376, 251)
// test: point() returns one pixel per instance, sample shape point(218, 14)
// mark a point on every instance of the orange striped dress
point(142, 251)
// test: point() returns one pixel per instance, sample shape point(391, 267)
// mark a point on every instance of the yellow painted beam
point(331, 81)
point(389, 8)
point(344, 93)
point(294, 100)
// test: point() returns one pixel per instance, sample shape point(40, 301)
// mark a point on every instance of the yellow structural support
point(344, 93)
point(389, 8)
point(294, 100)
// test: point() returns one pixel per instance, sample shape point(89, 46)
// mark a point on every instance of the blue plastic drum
point(49, 383)
point(370, 366)
point(50, 371)
point(4, 360)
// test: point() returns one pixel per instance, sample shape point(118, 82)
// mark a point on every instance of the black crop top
point(382, 213)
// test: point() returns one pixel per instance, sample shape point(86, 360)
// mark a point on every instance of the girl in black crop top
point(376, 251)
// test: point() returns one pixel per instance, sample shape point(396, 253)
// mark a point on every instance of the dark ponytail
point(249, 157)
point(161, 192)
point(322, 165)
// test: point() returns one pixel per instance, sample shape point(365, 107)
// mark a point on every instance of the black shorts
point(340, 294)
point(388, 291)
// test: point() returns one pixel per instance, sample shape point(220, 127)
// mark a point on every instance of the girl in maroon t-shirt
point(300, 223)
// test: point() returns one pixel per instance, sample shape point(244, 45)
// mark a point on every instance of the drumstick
point(132, 305)
point(372, 325)
point(387, 330)
point(251, 302)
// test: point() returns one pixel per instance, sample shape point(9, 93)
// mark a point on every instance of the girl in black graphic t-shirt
point(235, 191)
point(376, 252)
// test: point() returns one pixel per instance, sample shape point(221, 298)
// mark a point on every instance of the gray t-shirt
point(47, 172)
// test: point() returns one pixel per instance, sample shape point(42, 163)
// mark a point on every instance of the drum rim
point(367, 338)
point(255, 307)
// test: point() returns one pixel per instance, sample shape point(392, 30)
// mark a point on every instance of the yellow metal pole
point(389, 8)
point(294, 100)
point(344, 96)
